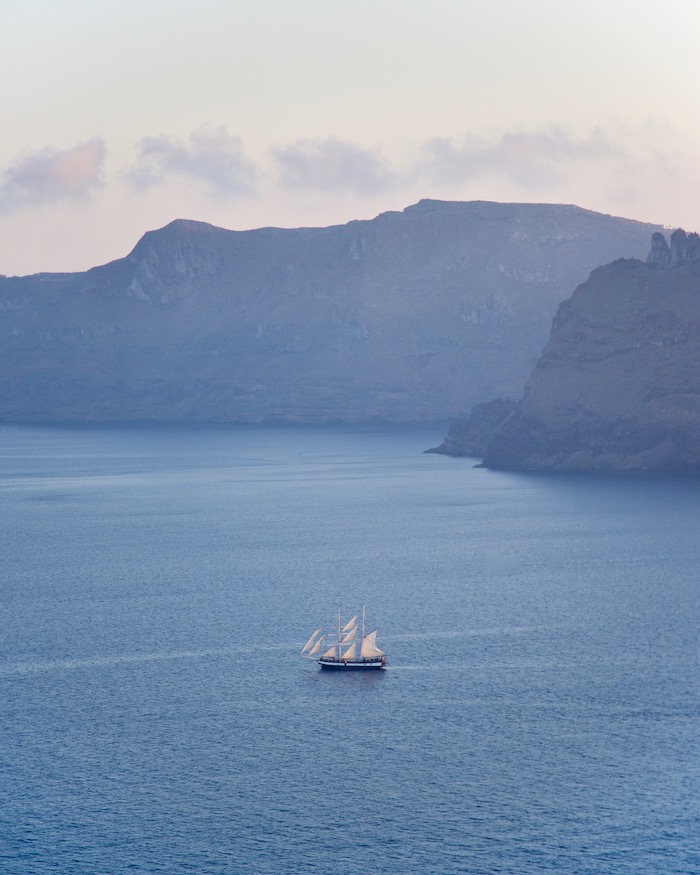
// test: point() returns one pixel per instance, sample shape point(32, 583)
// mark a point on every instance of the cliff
point(413, 315)
point(618, 384)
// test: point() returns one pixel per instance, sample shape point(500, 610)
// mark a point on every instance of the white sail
point(351, 652)
point(351, 649)
point(369, 647)
point(310, 641)
point(317, 646)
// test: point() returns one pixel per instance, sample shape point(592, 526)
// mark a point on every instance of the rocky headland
point(413, 315)
point(618, 384)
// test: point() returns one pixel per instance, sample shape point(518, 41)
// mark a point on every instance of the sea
point(540, 710)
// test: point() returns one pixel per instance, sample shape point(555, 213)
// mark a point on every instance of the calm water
point(540, 712)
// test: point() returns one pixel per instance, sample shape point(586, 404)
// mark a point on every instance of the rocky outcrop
point(471, 436)
point(684, 248)
point(618, 384)
point(414, 315)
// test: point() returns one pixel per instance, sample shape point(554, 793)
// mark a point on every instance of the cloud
point(210, 156)
point(530, 159)
point(52, 175)
point(333, 165)
point(539, 159)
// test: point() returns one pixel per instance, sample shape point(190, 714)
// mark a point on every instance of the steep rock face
point(618, 384)
point(684, 247)
point(471, 436)
point(412, 315)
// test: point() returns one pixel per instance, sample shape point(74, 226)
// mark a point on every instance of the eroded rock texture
point(618, 384)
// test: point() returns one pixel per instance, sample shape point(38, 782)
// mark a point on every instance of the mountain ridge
point(413, 315)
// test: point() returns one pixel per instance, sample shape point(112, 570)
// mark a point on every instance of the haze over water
point(539, 712)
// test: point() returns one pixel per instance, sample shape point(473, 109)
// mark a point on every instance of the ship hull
point(352, 664)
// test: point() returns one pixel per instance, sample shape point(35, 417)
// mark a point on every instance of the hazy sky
point(121, 116)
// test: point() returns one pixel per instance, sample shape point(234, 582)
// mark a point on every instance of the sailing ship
point(346, 652)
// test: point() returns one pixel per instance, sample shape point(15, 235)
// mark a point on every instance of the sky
point(119, 117)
